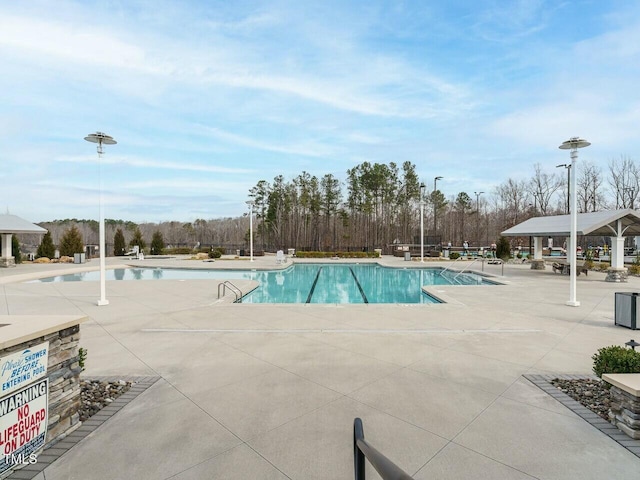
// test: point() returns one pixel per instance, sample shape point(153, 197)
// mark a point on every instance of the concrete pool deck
point(271, 391)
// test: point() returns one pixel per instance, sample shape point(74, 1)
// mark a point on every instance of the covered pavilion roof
point(15, 224)
point(602, 223)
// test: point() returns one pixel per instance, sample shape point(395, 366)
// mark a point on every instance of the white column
point(617, 252)
point(6, 245)
point(537, 248)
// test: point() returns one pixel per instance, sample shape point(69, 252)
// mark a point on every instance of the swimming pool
point(310, 283)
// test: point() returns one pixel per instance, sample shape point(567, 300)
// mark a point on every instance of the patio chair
point(280, 257)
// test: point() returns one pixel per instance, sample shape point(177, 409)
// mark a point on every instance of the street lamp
point(435, 207)
point(422, 187)
point(573, 144)
point(250, 203)
point(568, 167)
point(101, 139)
point(478, 217)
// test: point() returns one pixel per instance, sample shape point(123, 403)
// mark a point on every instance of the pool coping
point(544, 383)
point(56, 450)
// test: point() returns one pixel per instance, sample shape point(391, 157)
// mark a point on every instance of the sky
point(207, 98)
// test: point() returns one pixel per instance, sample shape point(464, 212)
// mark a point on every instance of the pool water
point(310, 283)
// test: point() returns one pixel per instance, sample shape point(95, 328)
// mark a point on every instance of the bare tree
point(589, 183)
point(624, 179)
point(542, 187)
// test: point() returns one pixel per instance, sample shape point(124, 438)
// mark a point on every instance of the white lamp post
point(422, 187)
point(101, 139)
point(250, 203)
point(573, 144)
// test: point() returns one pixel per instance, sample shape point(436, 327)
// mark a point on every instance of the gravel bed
point(96, 395)
point(593, 394)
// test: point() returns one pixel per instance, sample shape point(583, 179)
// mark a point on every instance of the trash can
point(242, 252)
point(79, 258)
point(407, 256)
point(626, 309)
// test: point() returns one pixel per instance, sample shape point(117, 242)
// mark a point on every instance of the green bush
point(46, 247)
point(15, 249)
point(503, 249)
point(71, 242)
point(454, 255)
point(215, 253)
point(615, 359)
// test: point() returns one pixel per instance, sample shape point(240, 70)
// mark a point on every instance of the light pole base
point(573, 303)
point(103, 302)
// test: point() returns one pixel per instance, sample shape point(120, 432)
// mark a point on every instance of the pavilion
point(10, 225)
point(616, 224)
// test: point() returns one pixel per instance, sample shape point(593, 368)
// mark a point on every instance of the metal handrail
point(452, 264)
point(494, 260)
point(466, 268)
point(361, 450)
point(232, 287)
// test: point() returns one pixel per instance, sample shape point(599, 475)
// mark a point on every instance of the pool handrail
point(451, 265)
point(232, 287)
point(466, 268)
point(361, 450)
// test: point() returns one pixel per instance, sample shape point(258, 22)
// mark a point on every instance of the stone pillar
point(7, 259)
point(617, 272)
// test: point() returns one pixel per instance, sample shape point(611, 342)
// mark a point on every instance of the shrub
point(71, 242)
point(634, 269)
point(215, 253)
point(46, 248)
point(119, 243)
point(300, 254)
point(15, 249)
point(138, 240)
point(178, 251)
point(157, 243)
point(615, 359)
point(454, 255)
point(503, 249)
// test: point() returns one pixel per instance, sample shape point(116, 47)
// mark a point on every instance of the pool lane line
point(364, 297)
point(313, 287)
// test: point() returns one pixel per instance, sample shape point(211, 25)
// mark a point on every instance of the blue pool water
point(310, 283)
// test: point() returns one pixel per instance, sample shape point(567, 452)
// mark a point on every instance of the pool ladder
point(236, 291)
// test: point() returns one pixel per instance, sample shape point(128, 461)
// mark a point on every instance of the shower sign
point(23, 367)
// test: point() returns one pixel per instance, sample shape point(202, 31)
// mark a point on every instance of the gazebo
point(9, 225)
point(616, 224)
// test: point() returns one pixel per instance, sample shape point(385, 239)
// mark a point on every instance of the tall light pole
point(250, 203)
point(101, 139)
point(573, 144)
point(568, 167)
point(422, 187)
point(435, 207)
point(478, 217)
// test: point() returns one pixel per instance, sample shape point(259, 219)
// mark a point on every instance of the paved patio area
point(270, 391)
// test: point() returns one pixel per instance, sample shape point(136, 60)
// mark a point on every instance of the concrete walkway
point(270, 391)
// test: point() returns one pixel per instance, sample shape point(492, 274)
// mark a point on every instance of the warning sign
point(23, 423)
point(22, 368)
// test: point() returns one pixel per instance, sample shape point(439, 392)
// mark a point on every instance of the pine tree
point(118, 243)
point(46, 247)
point(15, 249)
point(157, 243)
point(71, 242)
point(137, 239)
point(503, 249)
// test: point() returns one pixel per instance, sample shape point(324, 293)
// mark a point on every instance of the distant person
point(465, 248)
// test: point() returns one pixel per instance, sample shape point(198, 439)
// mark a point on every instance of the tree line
point(376, 206)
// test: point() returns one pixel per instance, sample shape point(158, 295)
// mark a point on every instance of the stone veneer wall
point(64, 380)
point(624, 411)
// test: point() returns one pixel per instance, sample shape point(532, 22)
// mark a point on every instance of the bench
point(565, 269)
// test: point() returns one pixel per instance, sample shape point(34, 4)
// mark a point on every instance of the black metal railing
point(361, 450)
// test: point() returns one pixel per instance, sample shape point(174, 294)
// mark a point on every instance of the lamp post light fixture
point(568, 167)
point(250, 203)
point(573, 144)
point(632, 343)
point(422, 188)
point(101, 139)
point(435, 207)
point(478, 216)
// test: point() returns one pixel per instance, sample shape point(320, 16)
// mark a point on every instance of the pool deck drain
point(544, 383)
point(54, 452)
